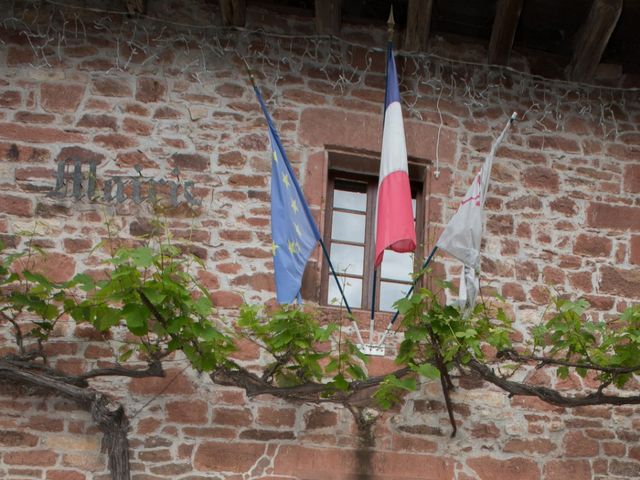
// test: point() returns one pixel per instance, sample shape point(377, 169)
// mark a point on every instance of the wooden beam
point(592, 39)
point(234, 12)
point(416, 37)
point(328, 16)
point(504, 31)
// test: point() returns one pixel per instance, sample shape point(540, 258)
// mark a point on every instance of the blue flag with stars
point(294, 233)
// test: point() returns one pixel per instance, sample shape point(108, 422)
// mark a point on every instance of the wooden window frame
point(360, 169)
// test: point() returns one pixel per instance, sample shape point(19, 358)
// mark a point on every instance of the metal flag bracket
point(371, 350)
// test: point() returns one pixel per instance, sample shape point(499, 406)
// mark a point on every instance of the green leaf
point(136, 316)
point(340, 383)
point(154, 293)
point(427, 370)
point(39, 279)
point(125, 355)
point(203, 306)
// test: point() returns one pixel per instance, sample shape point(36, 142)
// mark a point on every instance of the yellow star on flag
point(285, 180)
point(293, 247)
point(275, 156)
point(274, 247)
point(294, 205)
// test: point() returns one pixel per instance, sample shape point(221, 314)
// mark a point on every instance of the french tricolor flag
point(394, 223)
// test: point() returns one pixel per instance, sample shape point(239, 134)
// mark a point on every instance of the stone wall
point(563, 218)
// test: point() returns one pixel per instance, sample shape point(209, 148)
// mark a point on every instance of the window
point(350, 238)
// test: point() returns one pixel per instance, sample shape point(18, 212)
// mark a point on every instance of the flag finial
point(249, 72)
point(390, 24)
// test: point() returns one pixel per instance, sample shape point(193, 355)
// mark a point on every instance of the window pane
point(397, 266)
point(352, 288)
point(347, 258)
point(350, 200)
point(390, 293)
point(413, 206)
point(348, 226)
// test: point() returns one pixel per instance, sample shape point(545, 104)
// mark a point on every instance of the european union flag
point(294, 233)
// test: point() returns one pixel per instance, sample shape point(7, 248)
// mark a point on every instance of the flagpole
point(304, 206)
point(390, 30)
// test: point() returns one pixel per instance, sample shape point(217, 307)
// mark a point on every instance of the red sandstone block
point(10, 99)
point(60, 348)
point(230, 90)
point(226, 299)
point(39, 458)
point(111, 87)
point(581, 281)
point(166, 113)
point(489, 468)
point(150, 90)
point(61, 98)
point(248, 180)
point(553, 275)
point(209, 280)
point(191, 161)
point(57, 267)
point(624, 468)
point(538, 445)
point(257, 281)
point(97, 351)
point(153, 456)
point(235, 235)
point(187, 411)
point(76, 245)
point(71, 366)
point(12, 152)
point(617, 217)
point(319, 418)
point(24, 133)
point(485, 430)
point(227, 457)
point(614, 449)
point(25, 473)
point(115, 141)
point(555, 142)
point(98, 121)
point(139, 127)
point(632, 179)
point(541, 178)
point(247, 350)
point(619, 281)
point(630, 153)
point(79, 153)
point(276, 417)
point(135, 158)
point(17, 56)
point(14, 205)
point(232, 159)
point(174, 382)
point(147, 425)
point(211, 432)
point(576, 444)
point(232, 416)
point(592, 245)
point(12, 438)
point(567, 469)
point(65, 475)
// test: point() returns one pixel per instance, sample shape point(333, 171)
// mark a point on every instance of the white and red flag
point(395, 229)
point(462, 236)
